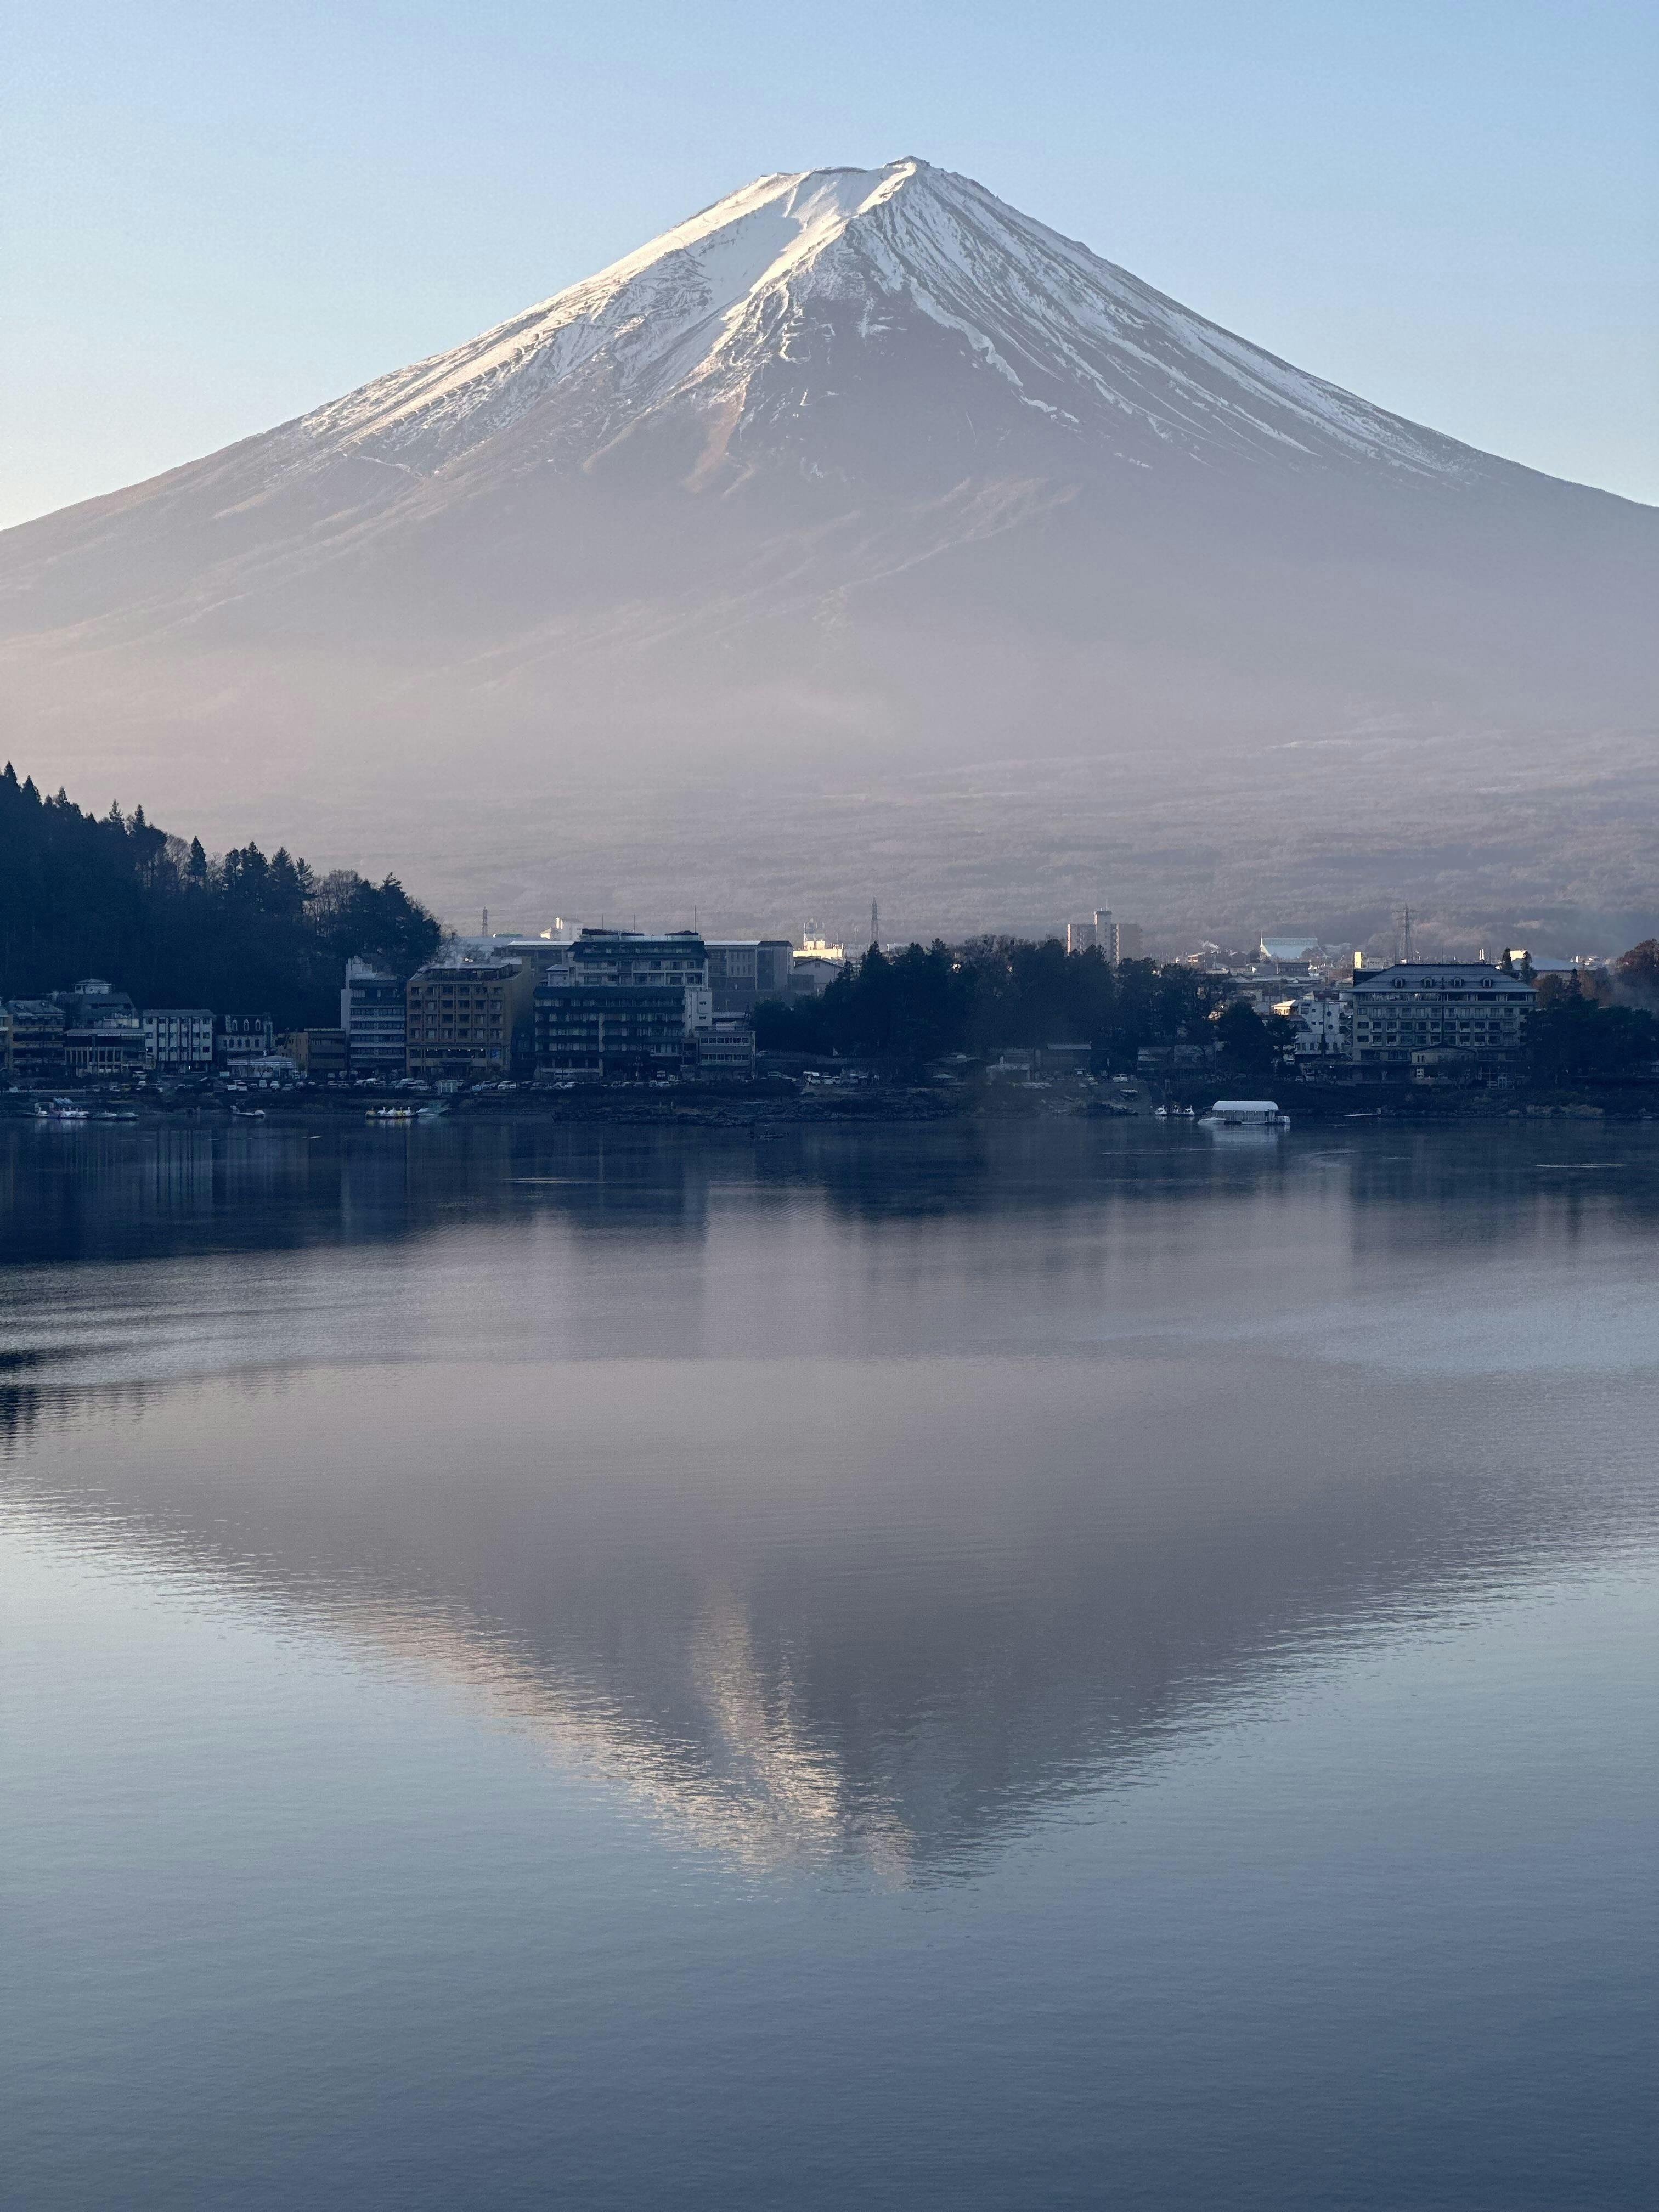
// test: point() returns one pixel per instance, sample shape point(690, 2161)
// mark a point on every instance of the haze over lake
point(1057, 1664)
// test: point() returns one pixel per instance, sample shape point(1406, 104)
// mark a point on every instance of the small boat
point(248, 1113)
point(60, 1110)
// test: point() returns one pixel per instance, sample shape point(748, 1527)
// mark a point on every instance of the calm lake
point(1061, 1665)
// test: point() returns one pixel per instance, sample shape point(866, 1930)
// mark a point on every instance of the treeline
point(114, 895)
point(1584, 1026)
point(997, 992)
point(926, 1001)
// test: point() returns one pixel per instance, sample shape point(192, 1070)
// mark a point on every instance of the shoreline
point(884, 1106)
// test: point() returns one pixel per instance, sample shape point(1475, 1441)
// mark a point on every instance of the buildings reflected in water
point(84, 1192)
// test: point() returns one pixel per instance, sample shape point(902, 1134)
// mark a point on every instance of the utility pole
point(875, 923)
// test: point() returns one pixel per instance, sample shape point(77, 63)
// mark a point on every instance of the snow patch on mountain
point(701, 315)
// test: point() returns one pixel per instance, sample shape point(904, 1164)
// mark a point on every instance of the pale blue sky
point(217, 216)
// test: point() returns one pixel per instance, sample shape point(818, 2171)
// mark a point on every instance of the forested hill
point(114, 895)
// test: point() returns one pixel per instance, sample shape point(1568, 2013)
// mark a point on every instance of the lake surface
point(1063, 1665)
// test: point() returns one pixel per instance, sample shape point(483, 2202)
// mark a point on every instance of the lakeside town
point(592, 1017)
point(137, 971)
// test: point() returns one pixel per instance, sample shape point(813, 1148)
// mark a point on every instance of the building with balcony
point(35, 1050)
point(467, 1021)
point(1438, 1007)
point(103, 1034)
point(611, 1032)
point(623, 1006)
point(373, 1013)
point(726, 1048)
point(633, 961)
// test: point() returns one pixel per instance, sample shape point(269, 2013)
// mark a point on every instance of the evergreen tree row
point(995, 993)
point(115, 896)
point(924, 1002)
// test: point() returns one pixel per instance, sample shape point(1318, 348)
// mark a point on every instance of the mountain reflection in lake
point(883, 1520)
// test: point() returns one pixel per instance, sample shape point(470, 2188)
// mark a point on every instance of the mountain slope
point(857, 480)
point(732, 311)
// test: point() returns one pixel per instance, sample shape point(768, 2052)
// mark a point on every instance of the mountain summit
point(861, 511)
point(781, 300)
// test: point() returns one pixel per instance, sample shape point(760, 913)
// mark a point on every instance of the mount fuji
point(861, 533)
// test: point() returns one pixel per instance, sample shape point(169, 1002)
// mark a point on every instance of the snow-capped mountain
point(752, 310)
point(860, 522)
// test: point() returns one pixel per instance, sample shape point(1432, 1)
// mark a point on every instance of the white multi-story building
point(1324, 1025)
point(1118, 940)
point(178, 1039)
point(1436, 1005)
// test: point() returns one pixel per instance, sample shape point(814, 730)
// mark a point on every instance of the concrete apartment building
point(35, 1049)
point(743, 970)
point(623, 1005)
point(178, 1040)
point(1463, 1012)
point(464, 1020)
point(1118, 940)
point(374, 1019)
point(594, 1032)
point(319, 1052)
point(726, 1048)
point(631, 960)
